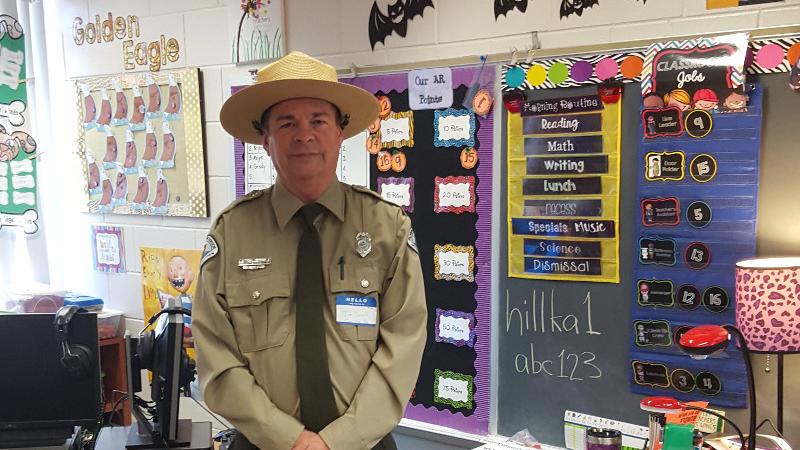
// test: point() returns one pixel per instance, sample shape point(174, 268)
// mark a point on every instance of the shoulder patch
point(412, 241)
point(209, 250)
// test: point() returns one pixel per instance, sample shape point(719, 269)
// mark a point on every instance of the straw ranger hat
point(296, 75)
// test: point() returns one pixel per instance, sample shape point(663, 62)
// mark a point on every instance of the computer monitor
point(165, 387)
point(41, 401)
point(162, 353)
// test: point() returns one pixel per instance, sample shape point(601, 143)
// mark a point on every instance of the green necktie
point(317, 405)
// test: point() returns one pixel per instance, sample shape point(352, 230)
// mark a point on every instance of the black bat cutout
point(400, 12)
point(503, 7)
point(569, 7)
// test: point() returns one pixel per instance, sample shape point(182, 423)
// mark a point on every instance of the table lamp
point(703, 341)
point(767, 304)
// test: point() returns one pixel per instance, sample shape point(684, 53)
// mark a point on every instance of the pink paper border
point(454, 180)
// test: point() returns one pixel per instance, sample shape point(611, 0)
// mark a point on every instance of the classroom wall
point(336, 31)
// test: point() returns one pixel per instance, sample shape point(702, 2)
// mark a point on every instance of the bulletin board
point(140, 139)
point(528, 397)
point(443, 182)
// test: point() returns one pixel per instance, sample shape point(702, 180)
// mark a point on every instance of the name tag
point(356, 310)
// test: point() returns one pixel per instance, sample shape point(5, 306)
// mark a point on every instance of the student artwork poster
point(141, 145)
point(168, 274)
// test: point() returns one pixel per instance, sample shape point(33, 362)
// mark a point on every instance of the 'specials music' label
point(564, 227)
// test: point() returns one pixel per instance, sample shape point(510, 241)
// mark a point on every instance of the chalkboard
point(580, 328)
point(537, 401)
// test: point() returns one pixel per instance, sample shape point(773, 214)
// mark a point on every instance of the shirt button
point(364, 283)
point(256, 295)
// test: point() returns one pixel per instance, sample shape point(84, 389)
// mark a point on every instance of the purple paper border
point(478, 422)
point(458, 315)
point(396, 181)
point(108, 268)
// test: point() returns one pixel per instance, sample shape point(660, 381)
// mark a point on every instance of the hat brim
point(246, 106)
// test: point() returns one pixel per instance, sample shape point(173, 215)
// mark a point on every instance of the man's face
point(303, 139)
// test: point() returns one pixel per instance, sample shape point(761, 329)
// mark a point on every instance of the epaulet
point(252, 195)
point(368, 191)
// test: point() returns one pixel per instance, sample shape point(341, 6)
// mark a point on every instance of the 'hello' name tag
point(356, 310)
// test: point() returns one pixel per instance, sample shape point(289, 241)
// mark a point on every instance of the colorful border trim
point(470, 180)
point(408, 115)
point(454, 376)
point(398, 181)
point(452, 112)
point(457, 249)
point(683, 166)
point(675, 200)
point(459, 315)
point(102, 267)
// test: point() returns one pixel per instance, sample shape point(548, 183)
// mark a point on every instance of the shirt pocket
point(260, 309)
point(362, 280)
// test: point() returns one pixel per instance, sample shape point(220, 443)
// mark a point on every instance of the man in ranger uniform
point(310, 317)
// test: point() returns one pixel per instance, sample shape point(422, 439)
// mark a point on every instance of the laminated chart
point(697, 194)
point(563, 189)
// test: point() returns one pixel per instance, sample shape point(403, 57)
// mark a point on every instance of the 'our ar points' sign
point(154, 54)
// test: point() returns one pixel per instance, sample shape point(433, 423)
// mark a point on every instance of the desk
point(113, 365)
point(114, 438)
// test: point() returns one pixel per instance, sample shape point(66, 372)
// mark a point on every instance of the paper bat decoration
point(503, 7)
point(569, 7)
point(402, 11)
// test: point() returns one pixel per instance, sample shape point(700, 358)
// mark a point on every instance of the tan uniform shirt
point(244, 320)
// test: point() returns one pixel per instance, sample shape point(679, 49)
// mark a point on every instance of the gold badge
point(363, 244)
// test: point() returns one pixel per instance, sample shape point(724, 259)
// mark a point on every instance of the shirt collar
point(286, 205)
